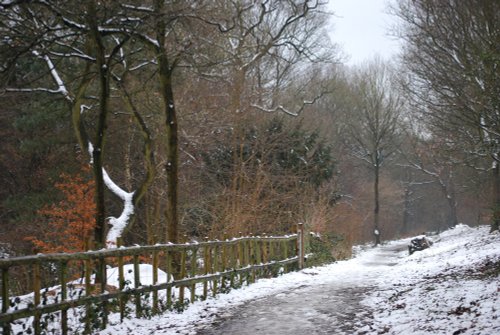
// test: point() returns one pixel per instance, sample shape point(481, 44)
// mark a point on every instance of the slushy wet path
point(332, 307)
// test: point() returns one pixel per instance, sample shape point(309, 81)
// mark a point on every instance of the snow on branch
point(281, 108)
point(143, 64)
point(80, 55)
point(55, 75)
point(118, 224)
point(278, 108)
point(138, 8)
point(34, 89)
point(61, 87)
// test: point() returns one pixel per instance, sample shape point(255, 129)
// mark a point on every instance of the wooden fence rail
point(201, 268)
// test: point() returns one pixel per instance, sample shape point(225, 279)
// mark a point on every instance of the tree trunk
point(448, 190)
point(98, 150)
point(172, 149)
point(496, 196)
point(376, 226)
point(452, 200)
point(407, 202)
point(406, 211)
point(237, 144)
point(165, 73)
point(452, 203)
point(172, 166)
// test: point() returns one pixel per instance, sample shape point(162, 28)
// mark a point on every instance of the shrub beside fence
point(201, 268)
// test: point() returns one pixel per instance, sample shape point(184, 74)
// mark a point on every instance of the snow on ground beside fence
point(451, 288)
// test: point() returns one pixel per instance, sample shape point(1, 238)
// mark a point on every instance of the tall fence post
point(156, 264)
point(64, 296)
point(5, 298)
point(170, 276)
point(89, 314)
point(36, 296)
point(206, 267)
point(121, 279)
point(300, 244)
point(103, 273)
point(137, 283)
point(193, 273)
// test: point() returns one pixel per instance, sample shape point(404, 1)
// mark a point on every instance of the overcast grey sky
point(361, 27)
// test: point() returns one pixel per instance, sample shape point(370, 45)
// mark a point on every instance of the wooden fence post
point(36, 296)
point(182, 275)
point(248, 260)
point(258, 254)
point(206, 260)
point(88, 292)
point(168, 261)
point(215, 268)
point(5, 297)
point(137, 283)
point(155, 309)
point(121, 280)
point(233, 249)
point(251, 260)
point(285, 254)
point(300, 244)
point(264, 250)
point(224, 261)
point(104, 278)
point(241, 258)
point(271, 251)
point(193, 273)
point(64, 296)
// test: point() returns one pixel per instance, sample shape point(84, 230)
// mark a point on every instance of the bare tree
point(92, 51)
point(438, 166)
point(62, 35)
point(271, 41)
point(452, 58)
point(373, 125)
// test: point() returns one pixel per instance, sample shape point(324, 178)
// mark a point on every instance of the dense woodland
point(183, 120)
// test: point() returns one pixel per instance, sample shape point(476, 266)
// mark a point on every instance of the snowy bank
point(450, 288)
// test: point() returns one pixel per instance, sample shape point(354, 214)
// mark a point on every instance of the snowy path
point(451, 288)
point(329, 307)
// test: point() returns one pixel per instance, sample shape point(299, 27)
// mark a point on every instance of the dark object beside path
point(418, 244)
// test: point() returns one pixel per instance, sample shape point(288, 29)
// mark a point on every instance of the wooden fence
point(199, 269)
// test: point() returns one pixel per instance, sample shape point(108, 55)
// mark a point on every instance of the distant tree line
point(195, 119)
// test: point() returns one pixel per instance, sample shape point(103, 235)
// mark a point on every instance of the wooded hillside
point(193, 119)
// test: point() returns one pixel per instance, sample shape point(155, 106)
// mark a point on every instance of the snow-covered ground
point(451, 288)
